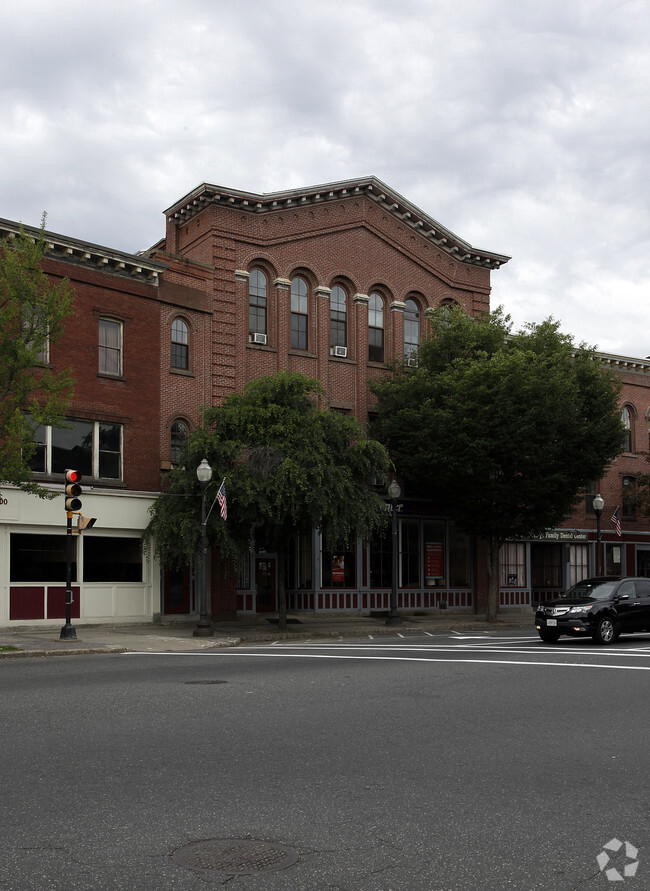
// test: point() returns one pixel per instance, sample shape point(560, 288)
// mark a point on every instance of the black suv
point(602, 607)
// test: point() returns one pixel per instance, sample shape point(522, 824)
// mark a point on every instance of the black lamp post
point(394, 492)
point(598, 505)
point(204, 626)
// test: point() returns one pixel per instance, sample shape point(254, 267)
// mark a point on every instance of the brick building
point(110, 438)
point(333, 281)
point(539, 570)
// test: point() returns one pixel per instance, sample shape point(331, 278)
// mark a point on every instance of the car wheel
point(605, 632)
point(549, 636)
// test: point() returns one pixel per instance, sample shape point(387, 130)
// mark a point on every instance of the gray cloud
point(522, 127)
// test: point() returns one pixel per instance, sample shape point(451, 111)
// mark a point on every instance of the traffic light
point(72, 490)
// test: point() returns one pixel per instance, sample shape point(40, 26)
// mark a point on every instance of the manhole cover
point(206, 682)
point(235, 856)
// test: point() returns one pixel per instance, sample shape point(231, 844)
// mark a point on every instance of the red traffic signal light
point(72, 490)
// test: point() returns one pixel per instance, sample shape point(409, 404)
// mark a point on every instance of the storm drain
point(234, 856)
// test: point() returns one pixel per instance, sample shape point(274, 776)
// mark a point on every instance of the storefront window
point(338, 568)
point(512, 565)
point(578, 563)
point(613, 559)
point(299, 562)
point(111, 559)
point(546, 565)
point(40, 558)
point(409, 553)
point(460, 562)
point(381, 560)
point(305, 560)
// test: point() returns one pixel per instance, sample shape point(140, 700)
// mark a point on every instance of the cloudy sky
point(521, 125)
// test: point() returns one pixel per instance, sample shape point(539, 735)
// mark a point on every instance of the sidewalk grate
point(234, 856)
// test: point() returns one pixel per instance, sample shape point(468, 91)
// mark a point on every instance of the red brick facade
point(358, 236)
point(132, 397)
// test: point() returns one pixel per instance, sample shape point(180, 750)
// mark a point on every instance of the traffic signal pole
point(72, 505)
point(68, 632)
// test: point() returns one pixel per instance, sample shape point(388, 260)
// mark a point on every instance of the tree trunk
point(493, 548)
point(282, 590)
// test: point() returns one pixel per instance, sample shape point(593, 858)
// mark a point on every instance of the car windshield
point(595, 590)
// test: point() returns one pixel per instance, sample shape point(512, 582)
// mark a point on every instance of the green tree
point(502, 428)
point(32, 312)
point(289, 466)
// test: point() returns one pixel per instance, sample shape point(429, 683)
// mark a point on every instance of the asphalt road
point(454, 761)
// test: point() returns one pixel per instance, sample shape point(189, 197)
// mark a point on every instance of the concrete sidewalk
point(174, 637)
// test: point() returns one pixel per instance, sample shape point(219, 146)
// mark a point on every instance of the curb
point(262, 636)
point(82, 651)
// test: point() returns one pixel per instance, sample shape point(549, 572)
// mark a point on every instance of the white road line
point(208, 653)
point(446, 648)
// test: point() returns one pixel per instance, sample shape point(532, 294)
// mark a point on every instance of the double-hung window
point(411, 329)
point(299, 315)
point(338, 317)
point(626, 420)
point(110, 347)
point(376, 328)
point(180, 355)
point(257, 302)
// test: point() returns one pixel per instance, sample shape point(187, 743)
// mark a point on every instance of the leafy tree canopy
point(288, 464)
point(32, 313)
point(502, 428)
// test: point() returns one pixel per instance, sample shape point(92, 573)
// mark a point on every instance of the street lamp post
point(394, 493)
point(204, 626)
point(598, 505)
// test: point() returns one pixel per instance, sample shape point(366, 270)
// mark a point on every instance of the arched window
point(376, 328)
point(180, 356)
point(411, 328)
point(338, 317)
point(257, 302)
point(626, 418)
point(299, 316)
point(179, 434)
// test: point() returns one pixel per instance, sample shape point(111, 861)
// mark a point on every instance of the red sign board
point(434, 560)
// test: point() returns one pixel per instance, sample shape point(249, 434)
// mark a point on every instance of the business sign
point(9, 505)
point(560, 535)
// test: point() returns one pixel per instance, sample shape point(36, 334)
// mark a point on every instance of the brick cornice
point(369, 187)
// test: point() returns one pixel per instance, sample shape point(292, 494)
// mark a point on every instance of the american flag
point(616, 521)
point(221, 498)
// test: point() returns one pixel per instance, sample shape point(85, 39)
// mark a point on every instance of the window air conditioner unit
point(340, 351)
point(259, 338)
